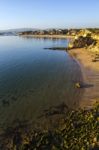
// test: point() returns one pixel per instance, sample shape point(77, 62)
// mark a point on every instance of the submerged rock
point(57, 48)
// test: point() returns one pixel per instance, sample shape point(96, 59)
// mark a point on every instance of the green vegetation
point(68, 32)
point(94, 30)
point(82, 42)
point(79, 130)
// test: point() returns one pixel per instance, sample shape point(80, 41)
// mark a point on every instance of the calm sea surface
point(32, 78)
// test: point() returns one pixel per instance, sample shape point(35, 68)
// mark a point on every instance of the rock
point(77, 85)
point(82, 41)
point(70, 45)
point(57, 48)
point(95, 48)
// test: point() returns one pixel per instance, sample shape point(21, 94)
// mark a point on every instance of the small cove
point(33, 79)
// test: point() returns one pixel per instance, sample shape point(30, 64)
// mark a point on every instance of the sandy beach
point(90, 71)
point(49, 36)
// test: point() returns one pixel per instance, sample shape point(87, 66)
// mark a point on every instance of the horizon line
point(49, 28)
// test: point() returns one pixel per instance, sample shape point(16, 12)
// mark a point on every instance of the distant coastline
point(50, 36)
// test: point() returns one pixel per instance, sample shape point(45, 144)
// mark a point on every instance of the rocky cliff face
point(82, 41)
point(86, 39)
point(94, 47)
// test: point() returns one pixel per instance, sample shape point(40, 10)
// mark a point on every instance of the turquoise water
point(32, 78)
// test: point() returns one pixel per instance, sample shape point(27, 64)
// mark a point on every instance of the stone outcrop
point(82, 41)
point(94, 47)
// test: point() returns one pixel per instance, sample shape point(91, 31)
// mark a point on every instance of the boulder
point(82, 41)
point(78, 85)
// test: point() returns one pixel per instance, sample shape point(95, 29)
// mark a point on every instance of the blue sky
point(49, 13)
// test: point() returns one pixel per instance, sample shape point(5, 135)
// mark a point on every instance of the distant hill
point(15, 31)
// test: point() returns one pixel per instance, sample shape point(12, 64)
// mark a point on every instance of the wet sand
point(90, 72)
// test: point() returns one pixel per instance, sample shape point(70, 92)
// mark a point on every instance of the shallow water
point(32, 78)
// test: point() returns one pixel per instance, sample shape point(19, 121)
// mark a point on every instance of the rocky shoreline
point(85, 48)
point(75, 130)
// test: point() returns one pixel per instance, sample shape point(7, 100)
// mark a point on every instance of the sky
point(49, 14)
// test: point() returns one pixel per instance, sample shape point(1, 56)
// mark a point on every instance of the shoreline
point(49, 36)
point(89, 70)
point(90, 73)
point(70, 129)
